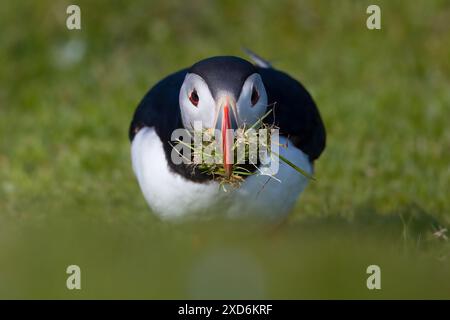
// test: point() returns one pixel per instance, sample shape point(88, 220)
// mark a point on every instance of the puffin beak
point(228, 122)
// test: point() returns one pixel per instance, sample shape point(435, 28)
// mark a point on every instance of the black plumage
point(294, 112)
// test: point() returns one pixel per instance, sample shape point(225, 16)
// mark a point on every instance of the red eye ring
point(193, 97)
point(255, 96)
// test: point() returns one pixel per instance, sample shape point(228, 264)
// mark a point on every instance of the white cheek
point(203, 113)
point(196, 115)
point(206, 114)
point(245, 113)
point(187, 113)
point(249, 114)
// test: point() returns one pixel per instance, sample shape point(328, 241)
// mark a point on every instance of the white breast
point(171, 195)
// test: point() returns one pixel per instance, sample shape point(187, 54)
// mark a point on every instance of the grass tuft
point(210, 153)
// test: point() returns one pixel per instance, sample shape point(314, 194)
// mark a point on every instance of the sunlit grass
point(68, 194)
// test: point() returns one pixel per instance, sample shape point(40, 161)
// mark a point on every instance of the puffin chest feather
point(172, 195)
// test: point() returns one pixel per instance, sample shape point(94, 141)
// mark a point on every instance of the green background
point(68, 194)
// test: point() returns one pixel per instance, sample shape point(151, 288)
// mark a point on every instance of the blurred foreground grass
point(68, 195)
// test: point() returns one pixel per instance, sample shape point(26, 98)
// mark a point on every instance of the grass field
point(68, 194)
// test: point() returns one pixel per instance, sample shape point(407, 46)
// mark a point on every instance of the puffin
point(224, 93)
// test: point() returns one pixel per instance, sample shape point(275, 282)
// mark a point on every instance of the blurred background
point(68, 194)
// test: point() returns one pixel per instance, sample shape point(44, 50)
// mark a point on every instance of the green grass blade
point(289, 163)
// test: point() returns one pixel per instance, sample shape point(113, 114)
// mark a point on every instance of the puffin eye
point(255, 96)
point(193, 97)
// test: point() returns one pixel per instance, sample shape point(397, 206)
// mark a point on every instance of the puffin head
point(222, 93)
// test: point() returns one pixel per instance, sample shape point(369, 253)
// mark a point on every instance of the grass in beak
point(244, 165)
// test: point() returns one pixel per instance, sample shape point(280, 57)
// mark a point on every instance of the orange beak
point(227, 140)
